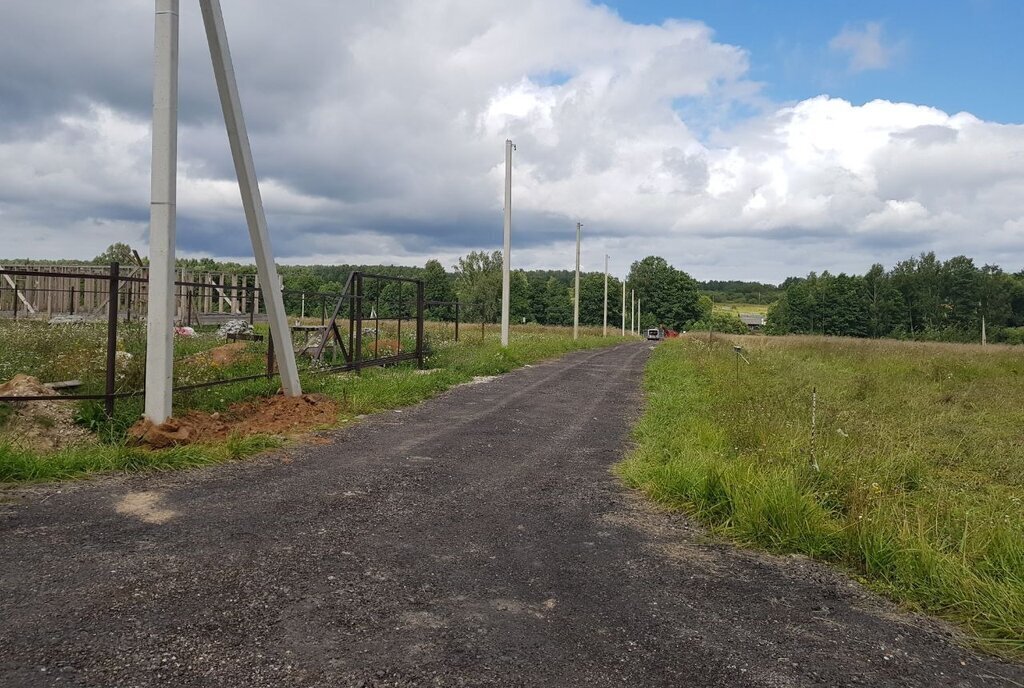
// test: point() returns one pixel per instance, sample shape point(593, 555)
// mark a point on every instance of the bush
point(725, 323)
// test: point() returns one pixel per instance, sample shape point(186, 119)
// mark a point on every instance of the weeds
point(374, 390)
point(920, 453)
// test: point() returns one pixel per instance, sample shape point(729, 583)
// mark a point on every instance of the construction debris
point(234, 327)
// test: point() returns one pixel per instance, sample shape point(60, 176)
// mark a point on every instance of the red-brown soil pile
point(278, 415)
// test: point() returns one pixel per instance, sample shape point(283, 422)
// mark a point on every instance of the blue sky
point(956, 55)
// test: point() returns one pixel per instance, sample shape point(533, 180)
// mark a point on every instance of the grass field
point(737, 308)
point(59, 353)
point(920, 463)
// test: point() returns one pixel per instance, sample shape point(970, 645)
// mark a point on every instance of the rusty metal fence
point(385, 301)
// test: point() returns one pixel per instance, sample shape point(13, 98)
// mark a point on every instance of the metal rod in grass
point(814, 428)
point(739, 355)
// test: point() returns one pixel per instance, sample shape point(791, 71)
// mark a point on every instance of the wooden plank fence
point(82, 290)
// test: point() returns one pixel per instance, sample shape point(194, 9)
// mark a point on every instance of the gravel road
point(477, 539)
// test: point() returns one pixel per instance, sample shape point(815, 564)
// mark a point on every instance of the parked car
point(654, 334)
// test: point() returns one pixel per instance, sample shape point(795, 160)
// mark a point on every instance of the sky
point(737, 139)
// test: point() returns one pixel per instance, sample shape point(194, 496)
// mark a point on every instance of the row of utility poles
point(506, 271)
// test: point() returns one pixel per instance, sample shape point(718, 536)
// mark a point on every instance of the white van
point(653, 334)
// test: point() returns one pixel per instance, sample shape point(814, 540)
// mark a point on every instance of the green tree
point(520, 305)
point(961, 294)
point(478, 285)
point(557, 303)
point(116, 253)
point(706, 306)
point(437, 286)
point(885, 307)
point(667, 296)
point(592, 300)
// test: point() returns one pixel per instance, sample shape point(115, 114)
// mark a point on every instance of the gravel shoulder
point(476, 539)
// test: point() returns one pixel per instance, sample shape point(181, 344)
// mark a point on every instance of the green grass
point(374, 390)
point(921, 457)
point(19, 465)
point(737, 308)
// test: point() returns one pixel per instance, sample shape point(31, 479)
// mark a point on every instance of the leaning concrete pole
point(506, 260)
point(163, 190)
point(605, 334)
point(248, 184)
point(576, 295)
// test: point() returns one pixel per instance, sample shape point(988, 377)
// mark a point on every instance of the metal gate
point(370, 306)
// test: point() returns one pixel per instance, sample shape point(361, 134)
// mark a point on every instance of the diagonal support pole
point(223, 71)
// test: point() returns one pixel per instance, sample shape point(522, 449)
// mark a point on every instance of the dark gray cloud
point(378, 133)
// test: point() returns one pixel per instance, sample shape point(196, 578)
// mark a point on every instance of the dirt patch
point(222, 356)
point(278, 415)
point(145, 506)
point(41, 426)
point(481, 379)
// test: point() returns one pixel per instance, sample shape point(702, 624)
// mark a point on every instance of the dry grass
point(920, 448)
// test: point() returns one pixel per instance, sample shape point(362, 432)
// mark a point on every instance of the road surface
point(477, 539)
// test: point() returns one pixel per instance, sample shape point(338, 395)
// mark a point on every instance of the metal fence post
point(357, 289)
point(114, 284)
point(456, 321)
point(15, 298)
point(419, 322)
point(401, 306)
point(270, 355)
point(72, 300)
point(352, 316)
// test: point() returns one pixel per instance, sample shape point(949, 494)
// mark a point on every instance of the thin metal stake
point(814, 427)
point(115, 283)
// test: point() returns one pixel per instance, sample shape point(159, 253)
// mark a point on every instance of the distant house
point(753, 321)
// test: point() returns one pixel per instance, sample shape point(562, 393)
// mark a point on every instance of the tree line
point(919, 298)
point(668, 296)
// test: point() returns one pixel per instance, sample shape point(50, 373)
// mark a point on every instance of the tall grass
point(920, 448)
point(376, 389)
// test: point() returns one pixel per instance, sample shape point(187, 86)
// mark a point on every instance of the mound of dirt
point(24, 386)
point(42, 426)
point(278, 415)
point(221, 356)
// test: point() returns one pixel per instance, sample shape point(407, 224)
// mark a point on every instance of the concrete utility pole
point(638, 317)
point(576, 296)
point(623, 307)
point(605, 334)
point(248, 184)
point(506, 261)
point(162, 215)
